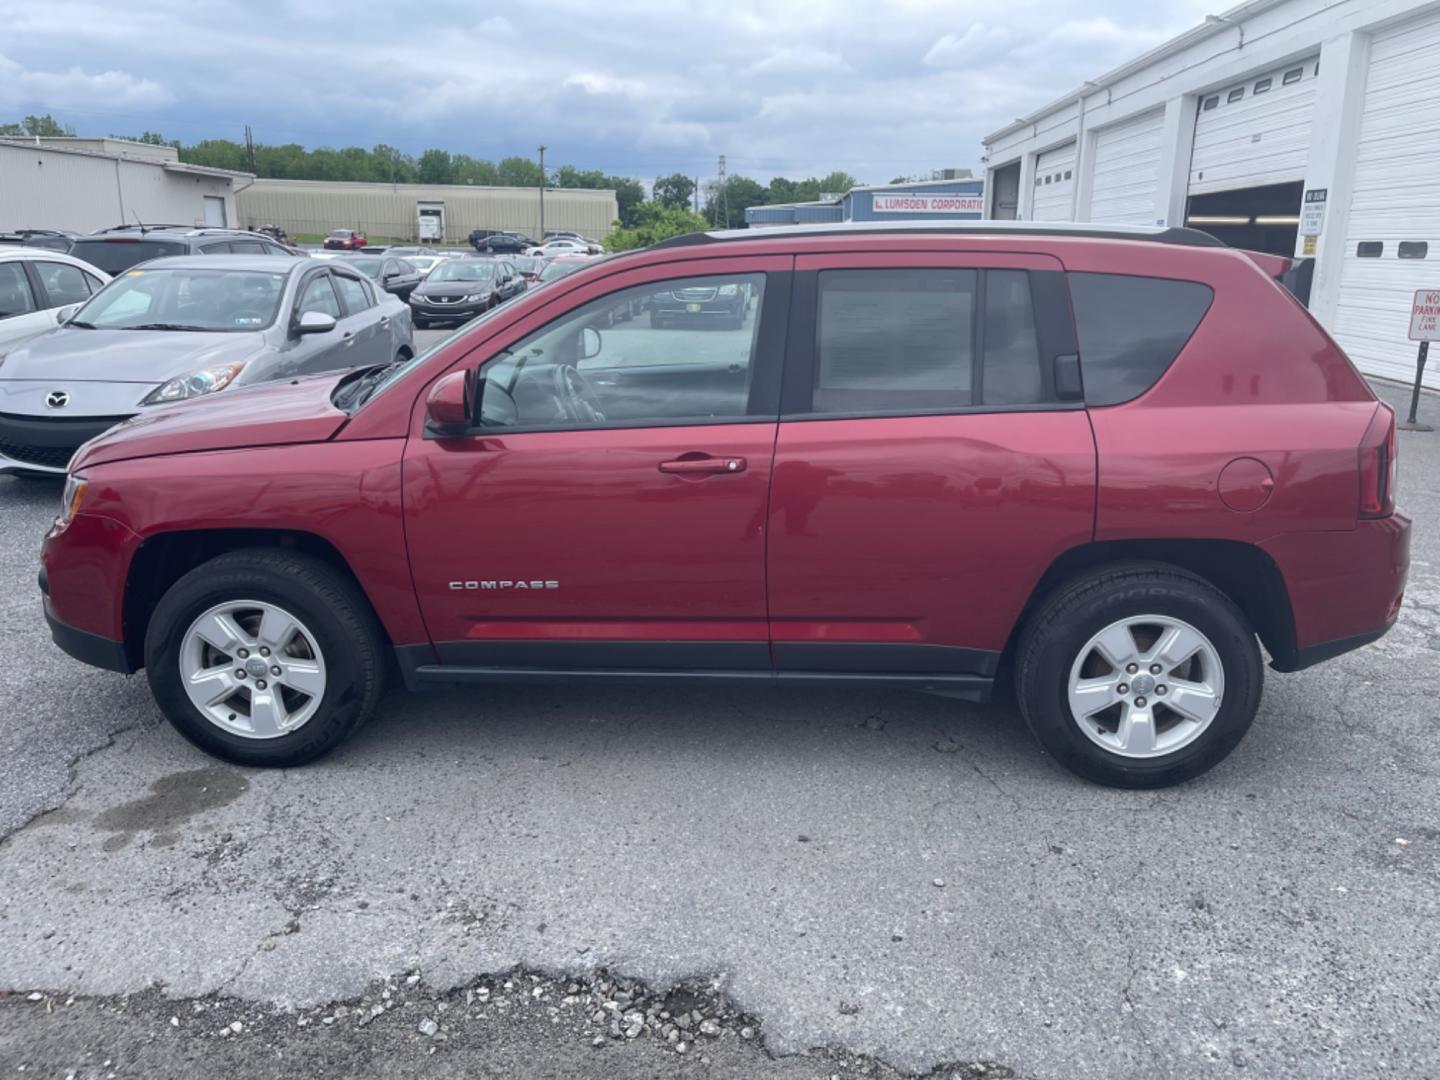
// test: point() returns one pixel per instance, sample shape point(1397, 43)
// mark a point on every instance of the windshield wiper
point(81, 325)
point(169, 326)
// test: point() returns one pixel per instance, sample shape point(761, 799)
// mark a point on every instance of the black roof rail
point(1145, 233)
point(134, 227)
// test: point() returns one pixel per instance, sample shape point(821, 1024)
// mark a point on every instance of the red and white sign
point(910, 202)
point(1425, 315)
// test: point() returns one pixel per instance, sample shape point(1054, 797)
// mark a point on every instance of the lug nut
point(240, 673)
point(260, 683)
point(244, 653)
point(1154, 669)
point(1139, 701)
point(1160, 690)
point(1131, 668)
point(276, 671)
point(266, 652)
point(1123, 688)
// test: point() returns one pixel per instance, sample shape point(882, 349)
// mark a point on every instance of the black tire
point(324, 599)
point(1058, 630)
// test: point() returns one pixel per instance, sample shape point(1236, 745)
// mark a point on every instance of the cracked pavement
point(1265, 918)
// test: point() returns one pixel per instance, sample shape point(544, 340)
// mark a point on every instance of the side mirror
point(65, 314)
point(590, 342)
point(316, 322)
point(451, 405)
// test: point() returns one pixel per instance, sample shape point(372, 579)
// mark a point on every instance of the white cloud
point(76, 87)
point(801, 60)
point(978, 44)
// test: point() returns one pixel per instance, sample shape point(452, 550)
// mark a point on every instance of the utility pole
point(249, 149)
point(541, 237)
point(724, 195)
point(696, 195)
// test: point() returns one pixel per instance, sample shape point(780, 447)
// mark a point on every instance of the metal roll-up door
point(1395, 206)
point(1127, 170)
point(1255, 132)
point(1055, 184)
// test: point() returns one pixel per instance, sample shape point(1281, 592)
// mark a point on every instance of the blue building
point(930, 200)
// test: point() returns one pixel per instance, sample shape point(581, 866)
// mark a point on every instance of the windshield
point(117, 256)
point(339, 234)
point(400, 370)
point(556, 270)
point(229, 301)
point(463, 270)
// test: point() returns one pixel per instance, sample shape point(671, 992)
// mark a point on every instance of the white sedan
point(34, 285)
point(559, 246)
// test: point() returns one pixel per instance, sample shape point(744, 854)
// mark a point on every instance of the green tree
point(674, 191)
point(436, 167)
point(469, 170)
point(629, 197)
point(837, 183)
point(728, 204)
point(44, 126)
point(218, 154)
point(519, 172)
point(394, 165)
point(653, 223)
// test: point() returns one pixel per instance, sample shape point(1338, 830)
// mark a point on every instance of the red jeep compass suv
point(1102, 462)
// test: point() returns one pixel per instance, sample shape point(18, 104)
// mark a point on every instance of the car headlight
point(477, 296)
point(196, 384)
point(729, 290)
point(74, 495)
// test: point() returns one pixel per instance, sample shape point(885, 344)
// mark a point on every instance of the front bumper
point(84, 646)
point(419, 309)
point(43, 445)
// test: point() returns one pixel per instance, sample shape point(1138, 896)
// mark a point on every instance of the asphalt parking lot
point(901, 880)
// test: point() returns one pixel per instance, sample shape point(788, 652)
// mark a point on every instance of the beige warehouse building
point(439, 212)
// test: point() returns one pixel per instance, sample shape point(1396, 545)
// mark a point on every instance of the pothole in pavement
point(592, 1014)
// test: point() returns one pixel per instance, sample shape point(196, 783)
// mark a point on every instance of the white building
point(1302, 127)
point(88, 184)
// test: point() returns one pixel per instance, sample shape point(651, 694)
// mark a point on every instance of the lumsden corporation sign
point(904, 202)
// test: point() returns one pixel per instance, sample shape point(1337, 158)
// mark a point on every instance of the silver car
point(178, 328)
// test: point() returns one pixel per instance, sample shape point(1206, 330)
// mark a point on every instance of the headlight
point(75, 488)
point(473, 297)
point(729, 290)
point(205, 381)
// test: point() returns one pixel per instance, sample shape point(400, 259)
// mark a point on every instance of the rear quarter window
point(1130, 330)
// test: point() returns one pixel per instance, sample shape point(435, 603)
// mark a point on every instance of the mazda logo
point(57, 399)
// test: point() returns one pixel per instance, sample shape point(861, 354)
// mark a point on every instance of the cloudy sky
point(643, 89)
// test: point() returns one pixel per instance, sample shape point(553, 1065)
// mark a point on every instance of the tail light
point(1377, 465)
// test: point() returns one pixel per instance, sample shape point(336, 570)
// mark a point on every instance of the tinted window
point(1131, 329)
point(319, 296)
point(248, 247)
point(1012, 345)
point(352, 292)
point(688, 359)
point(894, 340)
point(15, 298)
point(115, 256)
point(1370, 249)
point(63, 284)
point(222, 248)
point(1413, 249)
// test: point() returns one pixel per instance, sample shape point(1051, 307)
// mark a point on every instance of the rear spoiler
point(1295, 274)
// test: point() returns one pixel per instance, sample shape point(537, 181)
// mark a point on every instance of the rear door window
point(891, 340)
point(1131, 329)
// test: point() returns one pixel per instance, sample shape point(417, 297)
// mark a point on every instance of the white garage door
point(1055, 184)
point(1127, 170)
point(1255, 132)
point(1396, 202)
